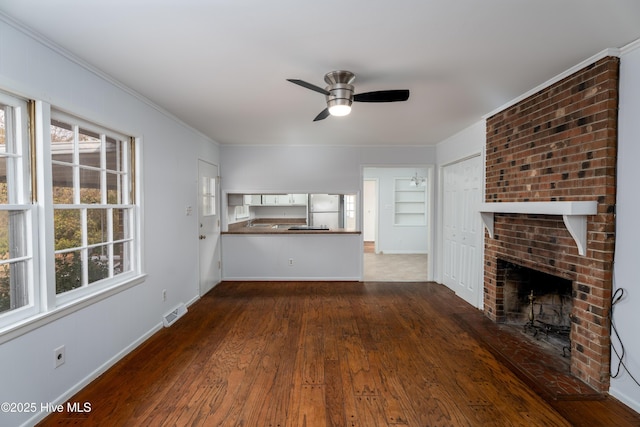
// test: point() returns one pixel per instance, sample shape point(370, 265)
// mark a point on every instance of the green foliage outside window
point(68, 234)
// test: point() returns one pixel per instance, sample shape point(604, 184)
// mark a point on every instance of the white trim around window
point(44, 304)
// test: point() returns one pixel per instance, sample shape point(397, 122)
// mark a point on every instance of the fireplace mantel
point(574, 215)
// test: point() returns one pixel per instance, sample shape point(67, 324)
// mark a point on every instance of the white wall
point(98, 335)
point(289, 169)
point(467, 143)
point(626, 314)
point(307, 169)
point(291, 257)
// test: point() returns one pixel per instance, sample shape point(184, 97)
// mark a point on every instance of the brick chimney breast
point(560, 144)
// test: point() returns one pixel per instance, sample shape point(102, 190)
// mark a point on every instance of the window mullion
point(110, 239)
point(103, 169)
point(76, 162)
point(84, 252)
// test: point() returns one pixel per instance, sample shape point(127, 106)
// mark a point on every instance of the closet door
point(462, 229)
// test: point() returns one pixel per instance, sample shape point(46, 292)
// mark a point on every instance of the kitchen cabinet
point(292, 199)
point(298, 199)
point(284, 200)
point(270, 199)
point(253, 199)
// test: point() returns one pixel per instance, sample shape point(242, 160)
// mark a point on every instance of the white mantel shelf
point(574, 215)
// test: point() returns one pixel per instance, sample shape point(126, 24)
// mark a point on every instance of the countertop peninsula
point(279, 226)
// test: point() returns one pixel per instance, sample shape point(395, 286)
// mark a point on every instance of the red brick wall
point(559, 145)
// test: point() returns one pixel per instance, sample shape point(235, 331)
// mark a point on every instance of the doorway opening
point(395, 223)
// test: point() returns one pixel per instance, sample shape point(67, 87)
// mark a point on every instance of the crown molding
point(39, 38)
point(630, 47)
point(616, 52)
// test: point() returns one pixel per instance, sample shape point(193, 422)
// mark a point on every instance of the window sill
point(34, 322)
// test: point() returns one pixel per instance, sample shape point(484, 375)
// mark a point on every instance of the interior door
point(208, 226)
point(462, 229)
point(370, 203)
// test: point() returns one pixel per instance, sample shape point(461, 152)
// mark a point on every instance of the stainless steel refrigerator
point(326, 209)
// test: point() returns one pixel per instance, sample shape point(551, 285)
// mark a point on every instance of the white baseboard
point(93, 375)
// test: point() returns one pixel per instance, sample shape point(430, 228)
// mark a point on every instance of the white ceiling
point(221, 65)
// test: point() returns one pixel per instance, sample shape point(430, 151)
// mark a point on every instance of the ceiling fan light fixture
point(339, 99)
point(339, 107)
point(339, 94)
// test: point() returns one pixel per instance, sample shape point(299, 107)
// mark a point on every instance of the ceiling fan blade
point(382, 96)
point(308, 86)
point(323, 115)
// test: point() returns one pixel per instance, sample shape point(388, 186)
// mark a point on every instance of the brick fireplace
point(559, 145)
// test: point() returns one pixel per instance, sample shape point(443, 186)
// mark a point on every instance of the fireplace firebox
point(539, 303)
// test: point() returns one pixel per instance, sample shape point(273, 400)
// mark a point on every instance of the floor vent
point(171, 317)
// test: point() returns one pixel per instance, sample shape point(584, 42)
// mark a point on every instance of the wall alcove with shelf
point(410, 202)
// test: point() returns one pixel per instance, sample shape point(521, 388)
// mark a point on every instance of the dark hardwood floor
point(303, 354)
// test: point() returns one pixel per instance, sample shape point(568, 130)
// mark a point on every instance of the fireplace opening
point(539, 303)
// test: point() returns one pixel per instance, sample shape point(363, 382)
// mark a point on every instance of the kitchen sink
point(261, 225)
point(308, 227)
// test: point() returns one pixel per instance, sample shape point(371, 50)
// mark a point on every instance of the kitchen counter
point(261, 252)
point(281, 226)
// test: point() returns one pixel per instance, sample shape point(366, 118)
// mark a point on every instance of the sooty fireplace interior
point(539, 302)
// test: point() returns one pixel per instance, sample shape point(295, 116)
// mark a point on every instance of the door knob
point(202, 237)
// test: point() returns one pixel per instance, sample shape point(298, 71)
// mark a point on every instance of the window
point(208, 195)
point(93, 204)
point(17, 297)
point(60, 256)
point(350, 211)
point(242, 211)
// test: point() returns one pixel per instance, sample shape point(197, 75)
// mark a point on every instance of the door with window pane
point(208, 226)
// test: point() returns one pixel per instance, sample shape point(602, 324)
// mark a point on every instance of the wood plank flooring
point(306, 354)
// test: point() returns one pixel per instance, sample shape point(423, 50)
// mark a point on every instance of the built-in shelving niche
point(410, 203)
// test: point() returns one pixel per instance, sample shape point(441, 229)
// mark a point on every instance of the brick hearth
point(559, 145)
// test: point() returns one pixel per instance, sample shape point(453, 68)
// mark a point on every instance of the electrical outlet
point(58, 356)
point(290, 261)
point(164, 295)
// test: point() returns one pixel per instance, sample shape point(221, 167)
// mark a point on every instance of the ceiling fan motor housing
point(340, 88)
point(339, 94)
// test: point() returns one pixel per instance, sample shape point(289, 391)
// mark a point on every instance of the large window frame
point(101, 184)
point(30, 173)
point(17, 208)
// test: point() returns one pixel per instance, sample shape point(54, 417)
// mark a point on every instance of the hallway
point(393, 267)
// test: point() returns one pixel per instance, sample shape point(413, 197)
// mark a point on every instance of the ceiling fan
point(340, 96)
